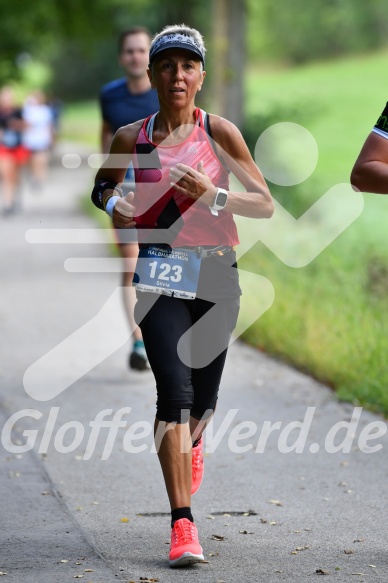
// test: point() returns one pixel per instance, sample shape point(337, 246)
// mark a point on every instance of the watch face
point(221, 198)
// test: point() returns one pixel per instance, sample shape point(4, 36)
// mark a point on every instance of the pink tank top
point(196, 225)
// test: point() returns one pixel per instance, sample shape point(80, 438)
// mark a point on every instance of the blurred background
point(320, 64)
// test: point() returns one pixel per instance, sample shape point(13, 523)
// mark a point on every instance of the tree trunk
point(228, 58)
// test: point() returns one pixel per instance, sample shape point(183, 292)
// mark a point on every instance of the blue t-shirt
point(120, 107)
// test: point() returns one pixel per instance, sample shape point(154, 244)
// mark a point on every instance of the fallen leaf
point(276, 502)
point(78, 563)
point(88, 570)
point(372, 566)
point(294, 552)
point(272, 522)
point(95, 503)
point(216, 554)
point(278, 571)
point(297, 531)
point(3, 573)
point(359, 540)
point(348, 551)
point(64, 561)
point(308, 529)
point(77, 576)
point(210, 517)
point(263, 520)
point(226, 514)
point(322, 572)
point(362, 574)
point(245, 532)
point(301, 548)
point(218, 537)
point(45, 493)
point(14, 474)
point(125, 519)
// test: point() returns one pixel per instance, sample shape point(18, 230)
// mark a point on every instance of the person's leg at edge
point(9, 174)
point(138, 357)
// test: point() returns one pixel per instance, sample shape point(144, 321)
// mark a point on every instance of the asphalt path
point(78, 501)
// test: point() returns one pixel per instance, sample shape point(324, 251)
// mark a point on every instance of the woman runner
point(187, 282)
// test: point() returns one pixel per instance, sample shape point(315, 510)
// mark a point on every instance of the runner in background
point(125, 101)
point(370, 172)
point(38, 136)
point(12, 153)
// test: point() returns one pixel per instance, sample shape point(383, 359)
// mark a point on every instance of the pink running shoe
point(185, 548)
point(197, 467)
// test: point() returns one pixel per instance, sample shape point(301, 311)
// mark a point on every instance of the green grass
point(330, 318)
point(81, 123)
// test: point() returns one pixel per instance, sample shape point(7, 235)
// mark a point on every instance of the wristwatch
point(219, 202)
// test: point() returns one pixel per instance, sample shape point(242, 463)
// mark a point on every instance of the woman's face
point(176, 75)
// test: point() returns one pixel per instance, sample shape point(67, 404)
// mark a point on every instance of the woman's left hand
point(193, 183)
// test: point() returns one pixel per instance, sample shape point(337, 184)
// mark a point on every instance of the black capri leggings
point(186, 343)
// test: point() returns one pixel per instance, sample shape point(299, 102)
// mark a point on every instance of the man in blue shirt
point(122, 102)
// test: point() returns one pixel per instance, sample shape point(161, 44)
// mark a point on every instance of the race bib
point(171, 272)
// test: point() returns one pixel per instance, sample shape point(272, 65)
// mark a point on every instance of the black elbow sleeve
point(98, 191)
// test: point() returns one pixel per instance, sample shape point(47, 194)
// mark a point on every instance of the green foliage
point(78, 39)
point(330, 318)
point(298, 31)
point(299, 111)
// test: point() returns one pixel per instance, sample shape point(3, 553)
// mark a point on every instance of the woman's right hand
point(124, 211)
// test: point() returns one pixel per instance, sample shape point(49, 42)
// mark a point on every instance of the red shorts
point(20, 154)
